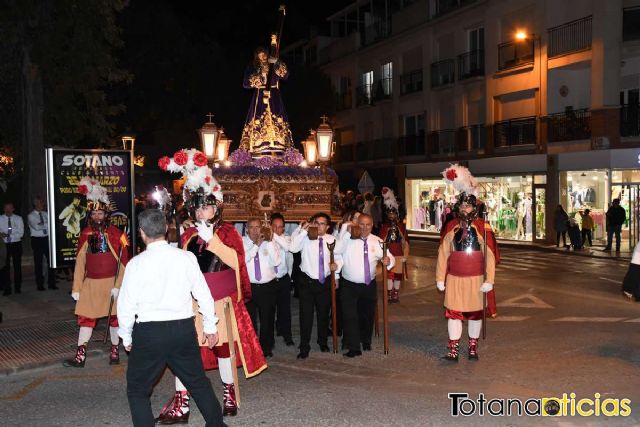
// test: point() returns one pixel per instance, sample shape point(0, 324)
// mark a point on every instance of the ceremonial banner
point(68, 215)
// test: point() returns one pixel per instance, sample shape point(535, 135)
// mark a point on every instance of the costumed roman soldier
point(466, 264)
point(100, 261)
point(220, 253)
point(394, 232)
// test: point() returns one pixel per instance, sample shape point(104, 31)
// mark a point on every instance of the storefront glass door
point(539, 195)
point(629, 195)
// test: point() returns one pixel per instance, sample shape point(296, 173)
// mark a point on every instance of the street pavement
point(562, 327)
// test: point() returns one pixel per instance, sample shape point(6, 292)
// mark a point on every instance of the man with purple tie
point(358, 295)
point(262, 256)
point(314, 282)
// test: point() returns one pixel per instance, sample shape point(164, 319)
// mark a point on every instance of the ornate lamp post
point(222, 148)
point(324, 139)
point(128, 141)
point(311, 148)
point(209, 134)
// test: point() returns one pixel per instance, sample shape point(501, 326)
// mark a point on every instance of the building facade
point(540, 99)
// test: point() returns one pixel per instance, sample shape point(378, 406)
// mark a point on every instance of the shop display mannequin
point(520, 213)
point(527, 215)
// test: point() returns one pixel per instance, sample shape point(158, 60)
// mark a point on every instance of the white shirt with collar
point(269, 257)
point(38, 227)
point(310, 257)
point(286, 258)
point(352, 252)
point(159, 285)
point(17, 228)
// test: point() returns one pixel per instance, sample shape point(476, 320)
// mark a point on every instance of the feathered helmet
point(200, 187)
point(96, 194)
point(389, 200)
point(467, 186)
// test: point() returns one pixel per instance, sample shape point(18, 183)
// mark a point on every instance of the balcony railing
point(376, 32)
point(571, 37)
point(383, 88)
point(472, 138)
point(471, 64)
point(411, 145)
point(411, 82)
point(443, 72)
point(442, 7)
point(569, 126)
point(344, 153)
point(630, 120)
point(515, 53)
point(376, 149)
point(343, 101)
point(443, 142)
point(364, 95)
point(514, 132)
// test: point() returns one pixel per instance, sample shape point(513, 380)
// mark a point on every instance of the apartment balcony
point(442, 143)
point(443, 72)
point(411, 145)
point(344, 153)
point(383, 89)
point(472, 139)
point(515, 54)
point(630, 120)
point(442, 7)
point(343, 101)
point(377, 149)
point(515, 132)
point(471, 64)
point(411, 82)
point(573, 36)
point(571, 125)
point(364, 95)
point(375, 32)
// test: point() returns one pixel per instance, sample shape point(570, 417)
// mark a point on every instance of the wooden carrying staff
point(115, 280)
point(484, 294)
point(232, 347)
point(334, 318)
point(385, 303)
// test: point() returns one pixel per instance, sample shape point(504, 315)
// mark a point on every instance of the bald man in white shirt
point(156, 318)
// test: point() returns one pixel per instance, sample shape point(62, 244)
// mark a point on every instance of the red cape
point(116, 238)
point(385, 227)
point(230, 237)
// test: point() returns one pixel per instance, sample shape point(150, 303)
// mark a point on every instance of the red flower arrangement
point(207, 179)
point(451, 175)
point(82, 189)
point(181, 158)
point(164, 162)
point(199, 159)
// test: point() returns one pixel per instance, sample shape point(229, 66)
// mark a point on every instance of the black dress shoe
point(366, 347)
point(352, 353)
point(53, 287)
point(324, 348)
point(303, 354)
point(41, 288)
point(289, 342)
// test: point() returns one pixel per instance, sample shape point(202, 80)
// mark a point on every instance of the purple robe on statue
point(266, 130)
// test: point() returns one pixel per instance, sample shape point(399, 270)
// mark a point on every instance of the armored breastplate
point(466, 239)
point(394, 235)
point(98, 243)
point(207, 260)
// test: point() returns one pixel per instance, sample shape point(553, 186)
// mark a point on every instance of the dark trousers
point(40, 246)
point(586, 234)
point(14, 253)
point(358, 306)
point(156, 345)
point(611, 230)
point(262, 309)
point(283, 307)
point(314, 296)
point(564, 238)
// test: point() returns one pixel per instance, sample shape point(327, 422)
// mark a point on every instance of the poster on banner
point(68, 208)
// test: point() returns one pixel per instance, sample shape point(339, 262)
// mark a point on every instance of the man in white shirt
point(283, 277)
point(12, 231)
point(360, 257)
point(158, 287)
point(39, 227)
point(314, 286)
point(261, 257)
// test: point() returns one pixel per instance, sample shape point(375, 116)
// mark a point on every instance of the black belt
point(266, 283)
point(166, 322)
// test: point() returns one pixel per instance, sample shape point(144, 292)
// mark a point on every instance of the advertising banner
point(68, 215)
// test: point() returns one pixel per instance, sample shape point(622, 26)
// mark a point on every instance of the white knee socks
point(475, 326)
point(396, 284)
point(389, 284)
point(455, 329)
point(85, 335)
point(180, 386)
point(226, 373)
point(113, 331)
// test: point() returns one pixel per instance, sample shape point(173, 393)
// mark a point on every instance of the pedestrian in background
point(561, 224)
point(616, 216)
point(12, 231)
point(38, 221)
point(587, 227)
point(155, 314)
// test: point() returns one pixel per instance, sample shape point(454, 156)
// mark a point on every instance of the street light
point(310, 148)
point(209, 137)
point(324, 139)
point(128, 141)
